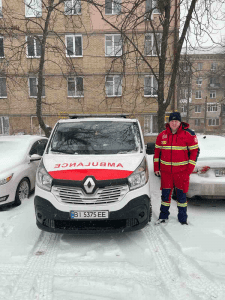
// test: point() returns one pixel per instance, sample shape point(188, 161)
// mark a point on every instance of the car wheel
point(23, 191)
point(150, 213)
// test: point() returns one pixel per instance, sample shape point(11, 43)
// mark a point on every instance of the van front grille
point(75, 195)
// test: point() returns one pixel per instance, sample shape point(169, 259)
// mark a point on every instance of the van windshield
point(96, 137)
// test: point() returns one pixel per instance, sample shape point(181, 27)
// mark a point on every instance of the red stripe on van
point(80, 174)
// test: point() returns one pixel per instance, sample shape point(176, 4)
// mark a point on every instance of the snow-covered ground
point(157, 263)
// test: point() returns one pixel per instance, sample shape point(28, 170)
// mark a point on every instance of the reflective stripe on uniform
point(193, 147)
point(182, 204)
point(192, 162)
point(165, 203)
point(169, 163)
point(174, 147)
point(157, 146)
point(156, 159)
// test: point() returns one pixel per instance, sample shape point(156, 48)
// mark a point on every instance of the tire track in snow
point(182, 279)
point(36, 279)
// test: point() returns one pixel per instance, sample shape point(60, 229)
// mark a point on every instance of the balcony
point(214, 85)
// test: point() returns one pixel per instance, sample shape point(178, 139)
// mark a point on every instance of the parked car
point(19, 159)
point(93, 177)
point(208, 178)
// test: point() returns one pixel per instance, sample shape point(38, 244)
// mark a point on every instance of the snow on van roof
point(116, 119)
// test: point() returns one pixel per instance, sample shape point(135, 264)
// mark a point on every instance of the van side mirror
point(150, 148)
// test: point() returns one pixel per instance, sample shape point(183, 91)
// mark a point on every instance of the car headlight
point(139, 177)
point(6, 179)
point(43, 179)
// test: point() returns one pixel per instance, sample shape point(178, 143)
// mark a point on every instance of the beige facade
point(202, 77)
point(97, 76)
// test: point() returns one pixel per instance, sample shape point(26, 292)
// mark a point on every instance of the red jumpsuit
point(175, 157)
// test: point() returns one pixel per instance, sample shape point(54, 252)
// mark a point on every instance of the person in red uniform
point(176, 153)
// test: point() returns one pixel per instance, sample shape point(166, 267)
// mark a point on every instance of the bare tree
point(134, 21)
point(22, 33)
point(168, 47)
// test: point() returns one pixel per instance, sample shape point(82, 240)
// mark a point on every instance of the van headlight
point(139, 177)
point(43, 179)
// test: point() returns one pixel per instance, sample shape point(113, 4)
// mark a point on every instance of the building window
point(3, 90)
point(223, 108)
point(34, 46)
point(211, 107)
point(4, 125)
point(151, 7)
point(1, 15)
point(184, 108)
point(1, 47)
point(75, 87)
point(197, 108)
point(72, 7)
point(113, 45)
point(213, 66)
point(33, 8)
point(214, 82)
point(200, 66)
point(184, 94)
point(197, 122)
point(113, 86)
point(150, 86)
point(33, 83)
point(212, 94)
point(185, 66)
point(198, 94)
point(112, 7)
point(74, 45)
point(199, 81)
point(151, 40)
point(150, 124)
point(213, 122)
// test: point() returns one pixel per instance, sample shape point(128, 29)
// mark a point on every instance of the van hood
point(104, 167)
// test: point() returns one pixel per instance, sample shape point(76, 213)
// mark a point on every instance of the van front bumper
point(133, 216)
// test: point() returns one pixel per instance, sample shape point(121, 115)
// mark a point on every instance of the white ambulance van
point(93, 177)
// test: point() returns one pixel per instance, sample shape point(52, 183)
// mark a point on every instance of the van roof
point(96, 119)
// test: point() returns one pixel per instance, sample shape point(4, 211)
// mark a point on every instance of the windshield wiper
point(68, 151)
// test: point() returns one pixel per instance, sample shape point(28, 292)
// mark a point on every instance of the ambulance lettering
point(80, 165)
point(80, 170)
point(89, 164)
point(64, 165)
point(72, 165)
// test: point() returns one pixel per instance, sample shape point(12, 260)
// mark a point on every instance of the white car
point(208, 178)
point(19, 159)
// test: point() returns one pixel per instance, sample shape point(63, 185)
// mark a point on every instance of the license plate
point(220, 172)
point(96, 214)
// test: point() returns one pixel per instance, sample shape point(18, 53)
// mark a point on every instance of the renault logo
point(89, 185)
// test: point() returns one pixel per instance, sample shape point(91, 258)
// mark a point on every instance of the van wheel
point(150, 213)
point(22, 191)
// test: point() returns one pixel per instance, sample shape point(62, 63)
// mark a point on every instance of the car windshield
point(96, 137)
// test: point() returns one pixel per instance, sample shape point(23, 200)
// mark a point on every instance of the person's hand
point(158, 173)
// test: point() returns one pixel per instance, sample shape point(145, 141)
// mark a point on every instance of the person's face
point(174, 125)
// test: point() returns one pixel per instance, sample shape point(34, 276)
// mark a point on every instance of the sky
point(212, 33)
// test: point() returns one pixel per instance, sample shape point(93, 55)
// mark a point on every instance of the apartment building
point(201, 97)
point(90, 67)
